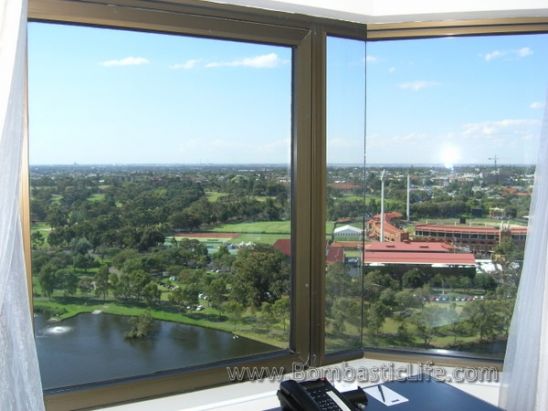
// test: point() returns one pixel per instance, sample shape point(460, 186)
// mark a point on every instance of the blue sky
point(456, 100)
point(109, 96)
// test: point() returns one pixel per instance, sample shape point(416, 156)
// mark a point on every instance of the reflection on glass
point(345, 192)
point(160, 201)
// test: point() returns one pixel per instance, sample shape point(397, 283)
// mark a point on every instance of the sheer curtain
point(525, 374)
point(20, 386)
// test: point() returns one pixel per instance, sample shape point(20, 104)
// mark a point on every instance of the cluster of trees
point(138, 209)
point(257, 277)
point(400, 309)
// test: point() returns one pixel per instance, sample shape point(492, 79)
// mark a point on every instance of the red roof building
point(391, 232)
point(433, 254)
point(479, 239)
point(418, 258)
point(410, 247)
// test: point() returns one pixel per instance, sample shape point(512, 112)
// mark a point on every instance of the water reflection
point(90, 348)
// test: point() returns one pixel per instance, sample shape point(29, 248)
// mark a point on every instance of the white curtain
point(20, 386)
point(525, 376)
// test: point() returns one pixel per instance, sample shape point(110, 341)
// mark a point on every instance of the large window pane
point(346, 62)
point(160, 201)
point(451, 146)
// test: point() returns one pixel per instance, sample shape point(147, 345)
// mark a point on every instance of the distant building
point(478, 239)
point(391, 232)
point(432, 257)
point(346, 233)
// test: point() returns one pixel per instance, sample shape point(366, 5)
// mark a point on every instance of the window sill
point(255, 395)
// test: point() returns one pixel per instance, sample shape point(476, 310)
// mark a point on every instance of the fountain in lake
point(58, 329)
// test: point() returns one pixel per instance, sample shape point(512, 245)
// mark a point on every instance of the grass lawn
point(94, 198)
point(260, 238)
point(213, 196)
point(263, 227)
point(43, 227)
point(259, 227)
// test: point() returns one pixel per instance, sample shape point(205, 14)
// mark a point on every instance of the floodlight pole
point(408, 198)
point(382, 207)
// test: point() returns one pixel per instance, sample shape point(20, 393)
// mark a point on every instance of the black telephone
point(318, 395)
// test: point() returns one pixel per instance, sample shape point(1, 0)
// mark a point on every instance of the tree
point(406, 299)
point(484, 317)
point(413, 278)
point(183, 297)
point(48, 281)
point(455, 325)
point(338, 323)
point(281, 310)
point(138, 280)
point(375, 281)
point(485, 281)
point(85, 284)
point(267, 314)
point(338, 282)
point(150, 237)
point(177, 299)
point(222, 259)
point(185, 220)
point(37, 239)
point(234, 309)
point(122, 287)
point(376, 315)
point(84, 261)
point(260, 274)
point(81, 246)
point(69, 280)
point(216, 293)
point(101, 282)
point(142, 326)
point(152, 294)
point(426, 321)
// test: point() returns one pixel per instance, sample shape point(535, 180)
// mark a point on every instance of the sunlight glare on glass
point(449, 156)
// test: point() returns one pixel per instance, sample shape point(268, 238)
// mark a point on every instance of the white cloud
point(127, 61)
point(508, 54)
point(498, 127)
point(187, 65)
point(493, 55)
point(270, 60)
point(418, 85)
point(524, 52)
point(392, 70)
point(536, 105)
point(371, 58)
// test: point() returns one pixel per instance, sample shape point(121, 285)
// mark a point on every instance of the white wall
point(403, 10)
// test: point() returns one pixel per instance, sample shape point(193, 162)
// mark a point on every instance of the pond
point(91, 348)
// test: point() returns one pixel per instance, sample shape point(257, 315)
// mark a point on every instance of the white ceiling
point(379, 11)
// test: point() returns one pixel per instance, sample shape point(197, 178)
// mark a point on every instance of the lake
point(91, 348)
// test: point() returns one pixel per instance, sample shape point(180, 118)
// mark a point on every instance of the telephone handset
point(317, 395)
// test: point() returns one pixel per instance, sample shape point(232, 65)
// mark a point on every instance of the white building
point(347, 232)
